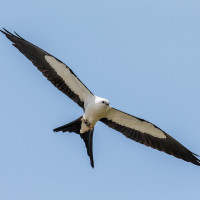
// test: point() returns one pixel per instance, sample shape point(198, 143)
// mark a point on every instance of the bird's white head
point(102, 101)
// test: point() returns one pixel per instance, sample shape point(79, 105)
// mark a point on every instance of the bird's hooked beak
point(107, 103)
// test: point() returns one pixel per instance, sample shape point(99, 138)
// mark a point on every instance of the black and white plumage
point(96, 108)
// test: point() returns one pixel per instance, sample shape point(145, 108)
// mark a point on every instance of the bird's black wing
point(59, 74)
point(146, 133)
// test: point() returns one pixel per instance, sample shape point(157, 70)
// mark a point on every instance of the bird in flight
point(96, 108)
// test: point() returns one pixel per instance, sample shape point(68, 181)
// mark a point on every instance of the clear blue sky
point(144, 56)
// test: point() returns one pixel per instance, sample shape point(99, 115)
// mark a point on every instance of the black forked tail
point(75, 126)
point(88, 139)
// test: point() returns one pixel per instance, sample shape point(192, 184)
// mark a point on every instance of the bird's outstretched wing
point(59, 74)
point(146, 133)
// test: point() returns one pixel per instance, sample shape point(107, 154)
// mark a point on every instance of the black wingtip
point(18, 35)
point(56, 130)
point(8, 33)
point(3, 31)
point(195, 154)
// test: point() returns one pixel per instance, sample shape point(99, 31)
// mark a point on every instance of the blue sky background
point(144, 56)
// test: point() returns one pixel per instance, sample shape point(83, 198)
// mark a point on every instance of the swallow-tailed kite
point(96, 108)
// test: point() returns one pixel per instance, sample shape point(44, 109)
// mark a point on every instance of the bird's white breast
point(95, 110)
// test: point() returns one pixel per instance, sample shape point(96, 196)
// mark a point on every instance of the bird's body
point(96, 108)
point(94, 111)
